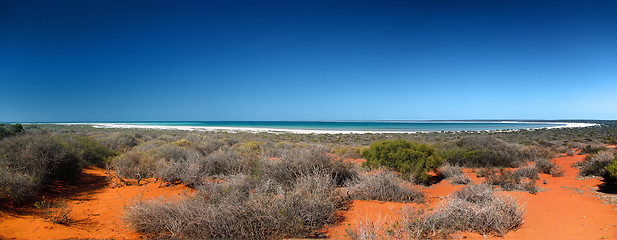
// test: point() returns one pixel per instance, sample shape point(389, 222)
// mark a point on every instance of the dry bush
point(480, 151)
point(349, 152)
point(224, 163)
point(454, 174)
point(570, 152)
point(383, 186)
point(472, 209)
point(537, 151)
point(475, 193)
point(595, 165)
point(55, 212)
point(549, 167)
point(240, 208)
point(593, 148)
point(16, 185)
point(209, 146)
point(175, 163)
point(367, 229)
point(507, 180)
point(32, 161)
point(530, 172)
point(301, 162)
point(132, 165)
point(119, 141)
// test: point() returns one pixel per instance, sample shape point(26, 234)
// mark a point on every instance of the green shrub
point(7, 130)
point(89, 150)
point(412, 159)
point(610, 177)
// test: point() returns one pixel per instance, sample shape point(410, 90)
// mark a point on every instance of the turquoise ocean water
point(385, 126)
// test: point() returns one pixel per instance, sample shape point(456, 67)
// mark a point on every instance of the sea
point(338, 126)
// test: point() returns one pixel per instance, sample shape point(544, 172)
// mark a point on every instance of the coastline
point(310, 131)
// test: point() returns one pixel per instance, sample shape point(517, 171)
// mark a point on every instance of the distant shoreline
point(326, 131)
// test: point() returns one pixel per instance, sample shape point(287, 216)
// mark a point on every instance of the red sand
point(566, 209)
point(96, 211)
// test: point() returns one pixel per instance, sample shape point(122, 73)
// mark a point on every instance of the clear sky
point(102, 60)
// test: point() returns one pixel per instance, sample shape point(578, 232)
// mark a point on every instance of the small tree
point(412, 159)
point(610, 177)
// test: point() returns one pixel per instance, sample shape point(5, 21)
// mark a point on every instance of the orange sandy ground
point(96, 211)
point(566, 209)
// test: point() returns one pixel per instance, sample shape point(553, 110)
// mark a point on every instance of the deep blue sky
point(307, 60)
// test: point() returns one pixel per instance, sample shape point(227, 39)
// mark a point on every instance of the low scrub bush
point(224, 163)
point(240, 208)
point(476, 152)
point(301, 162)
point(507, 180)
point(538, 151)
point(133, 165)
point(209, 146)
point(530, 172)
point(90, 151)
point(593, 149)
point(454, 174)
point(383, 186)
point(7, 130)
point(56, 211)
point(610, 177)
point(595, 165)
point(349, 152)
point(31, 161)
point(119, 142)
point(412, 159)
point(549, 167)
point(472, 209)
point(367, 229)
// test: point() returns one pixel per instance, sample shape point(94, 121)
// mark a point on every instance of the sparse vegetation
point(475, 208)
point(383, 186)
point(240, 208)
point(593, 149)
point(285, 185)
point(508, 180)
point(530, 172)
point(29, 162)
point(55, 212)
point(595, 165)
point(454, 174)
point(479, 151)
point(549, 167)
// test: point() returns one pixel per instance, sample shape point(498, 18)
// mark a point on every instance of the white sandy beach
point(297, 131)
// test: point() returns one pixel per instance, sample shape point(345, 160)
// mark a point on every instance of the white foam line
point(304, 131)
